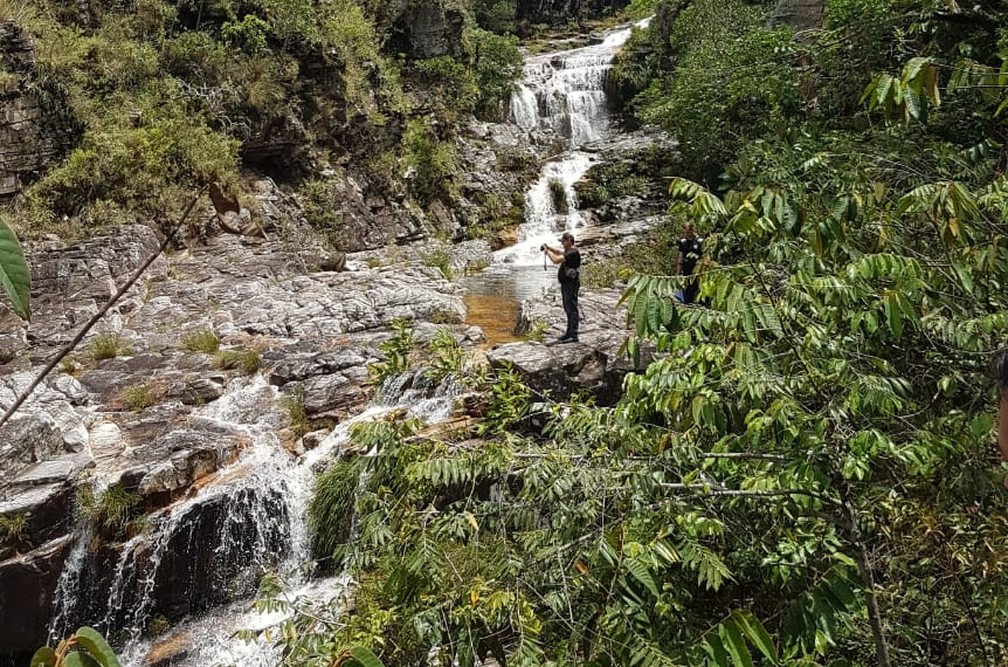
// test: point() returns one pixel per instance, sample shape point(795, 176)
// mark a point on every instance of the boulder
point(27, 591)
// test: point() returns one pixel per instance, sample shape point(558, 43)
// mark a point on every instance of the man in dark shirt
point(690, 251)
point(569, 275)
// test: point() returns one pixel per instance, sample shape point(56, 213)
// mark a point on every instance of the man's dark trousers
point(569, 292)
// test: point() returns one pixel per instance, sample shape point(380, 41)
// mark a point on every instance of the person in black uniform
point(690, 251)
point(569, 275)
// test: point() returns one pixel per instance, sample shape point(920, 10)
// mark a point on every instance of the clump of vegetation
point(441, 259)
point(497, 214)
point(558, 196)
point(331, 511)
point(204, 340)
point(13, 527)
point(247, 362)
point(447, 357)
point(138, 397)
point(293, 404)
point(110, 509)
point(398, 351)
point(430, 162)
point(108, 345)
point(610, 181)
point(536, 331)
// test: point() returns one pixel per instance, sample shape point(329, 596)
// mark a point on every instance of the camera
point(542, 248)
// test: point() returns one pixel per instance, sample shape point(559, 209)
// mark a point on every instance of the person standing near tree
point(569, 276)
point(690, 252)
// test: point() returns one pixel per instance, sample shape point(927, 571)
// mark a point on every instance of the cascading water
point(204, 551)
point(199, 551)
point(562, 95)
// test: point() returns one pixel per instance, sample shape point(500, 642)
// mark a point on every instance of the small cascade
point(561, 95)
point(196, 553)
point(271, 527)
point(564, 93)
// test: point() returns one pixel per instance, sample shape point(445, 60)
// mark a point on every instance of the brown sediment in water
point(496, 315)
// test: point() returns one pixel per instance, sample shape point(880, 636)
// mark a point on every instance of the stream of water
point(561, 95)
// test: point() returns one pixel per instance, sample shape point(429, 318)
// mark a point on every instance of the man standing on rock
point(569, 275)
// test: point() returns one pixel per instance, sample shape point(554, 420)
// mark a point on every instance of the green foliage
point(246, 362)
point(440, 258)
point(248, 35)
point(496, 64)
point(110, 509)
point(107, 345)
point(449, 81)
point(14, 273)
point(138, 397)
point(83, 648)
point(731, 80)
point(497, 214)
point(496, 15)
point(204, 340)
point(398, 351)
point(429, 162)
point(447, 358)
point(331, 511)
point(558, 196)
point(297, 414)
point(510, 402)
point(613, 180)
point(13, 527)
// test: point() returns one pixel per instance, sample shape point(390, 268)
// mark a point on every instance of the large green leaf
point(96, 646)
point(14, 272)
point(44, 657)
point(362, 657)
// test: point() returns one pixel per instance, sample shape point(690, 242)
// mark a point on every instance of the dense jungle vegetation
point(806, 473)
point(159, 97)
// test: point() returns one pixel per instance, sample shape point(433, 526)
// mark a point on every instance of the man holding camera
point(569, 275)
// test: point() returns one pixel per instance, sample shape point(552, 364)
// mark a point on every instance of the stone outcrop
point(594, 364)
point(555, 12)
point(428, 29)
point(800, 14)
point(35, 130)
point(166, 423)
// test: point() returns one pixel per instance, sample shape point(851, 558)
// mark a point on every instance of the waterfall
point(561, 95)
point(195, 557)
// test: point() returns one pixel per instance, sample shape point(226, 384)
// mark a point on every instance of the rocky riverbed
point(129, 407)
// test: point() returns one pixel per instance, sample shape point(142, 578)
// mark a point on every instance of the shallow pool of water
point(495, 294)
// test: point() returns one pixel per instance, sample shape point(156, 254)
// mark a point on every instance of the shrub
point(430, 161)
point(247, 362)
point(496, 15)
point(732, 81)
point(330, 513)
point(204, 340)
point(248, 35)
point(497, 63)
point(447, 357)
point(321, 200)
point(294, 405)
point(138, 397)
point(109, 509)
point(14, 527)
point(398, 349)
point(107, 345)
point(558, 195)
point(449, 82)
point(442, 260)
